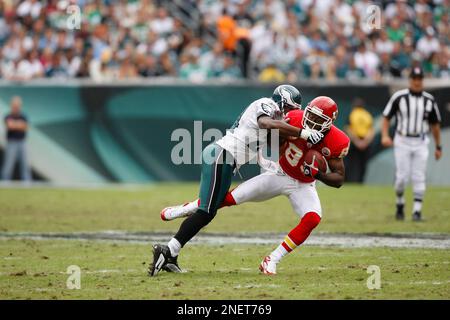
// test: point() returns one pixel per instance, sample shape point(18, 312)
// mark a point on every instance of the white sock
point(278, 253)
point(174, 246)
point(417, 206)
point(400, 199)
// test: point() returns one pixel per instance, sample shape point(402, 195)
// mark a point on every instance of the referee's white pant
point(411, 155)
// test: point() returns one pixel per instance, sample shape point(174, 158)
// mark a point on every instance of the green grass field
point(36, 269)
point(351, 209)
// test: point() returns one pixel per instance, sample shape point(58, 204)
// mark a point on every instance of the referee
point(416, 113)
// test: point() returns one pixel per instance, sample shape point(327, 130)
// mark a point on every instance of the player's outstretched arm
point(335, 178)
point(286, 130)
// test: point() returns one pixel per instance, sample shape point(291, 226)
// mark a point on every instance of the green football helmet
point(288, 96)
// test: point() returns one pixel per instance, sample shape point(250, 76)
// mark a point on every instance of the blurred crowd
point(266, 40)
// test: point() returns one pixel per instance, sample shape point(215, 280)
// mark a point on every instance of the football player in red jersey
point(320, 114)
point(293, 177)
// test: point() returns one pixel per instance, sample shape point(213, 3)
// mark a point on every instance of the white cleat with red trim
point(171, 213)
point(268, 266)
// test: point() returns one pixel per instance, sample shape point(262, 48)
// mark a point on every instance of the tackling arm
point(286, 130)
point(336, 177)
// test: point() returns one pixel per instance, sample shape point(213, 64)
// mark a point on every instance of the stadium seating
point(267, 40)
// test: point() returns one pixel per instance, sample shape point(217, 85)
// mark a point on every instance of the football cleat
point(417, 216)
point(268, 267)
point(400, 214)
point(171, 213)
point(161, 255)
point(172, 265)
point(163, 214)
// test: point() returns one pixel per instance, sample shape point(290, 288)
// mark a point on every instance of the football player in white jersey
point(221, 158)
point(292, 176)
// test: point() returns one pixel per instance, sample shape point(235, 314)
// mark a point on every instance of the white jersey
point(245, 137)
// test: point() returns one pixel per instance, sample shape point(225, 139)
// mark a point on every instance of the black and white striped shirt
point(413, 112)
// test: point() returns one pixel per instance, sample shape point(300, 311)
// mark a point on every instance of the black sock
point(400, 207)
point(192, 225)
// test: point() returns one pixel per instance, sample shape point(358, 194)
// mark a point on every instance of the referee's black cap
point(416, 72)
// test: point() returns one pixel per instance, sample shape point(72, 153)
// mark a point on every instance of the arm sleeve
point(392, 106)
point(435, 116)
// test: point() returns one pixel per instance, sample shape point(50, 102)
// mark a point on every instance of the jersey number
point(293, 154)
point(344, 151)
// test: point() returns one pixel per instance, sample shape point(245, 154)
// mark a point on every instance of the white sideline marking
point(250, 286)
point(319, 239)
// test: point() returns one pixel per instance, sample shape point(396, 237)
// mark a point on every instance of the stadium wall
point(83, 132)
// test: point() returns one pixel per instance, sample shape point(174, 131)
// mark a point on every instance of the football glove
point(311, 169)
point(312, 136)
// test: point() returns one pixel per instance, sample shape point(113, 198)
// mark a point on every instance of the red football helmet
point(320, 114)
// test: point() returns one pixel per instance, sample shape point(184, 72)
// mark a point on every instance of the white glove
point(312, 136)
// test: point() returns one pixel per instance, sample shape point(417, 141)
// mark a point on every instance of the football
point(321, 161)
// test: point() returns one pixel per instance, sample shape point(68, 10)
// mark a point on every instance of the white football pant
point(302, 196)
point(411, 155)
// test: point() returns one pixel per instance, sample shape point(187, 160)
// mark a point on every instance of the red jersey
point(335, 144)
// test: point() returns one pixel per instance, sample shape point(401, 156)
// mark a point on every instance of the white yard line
point(319, 239)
